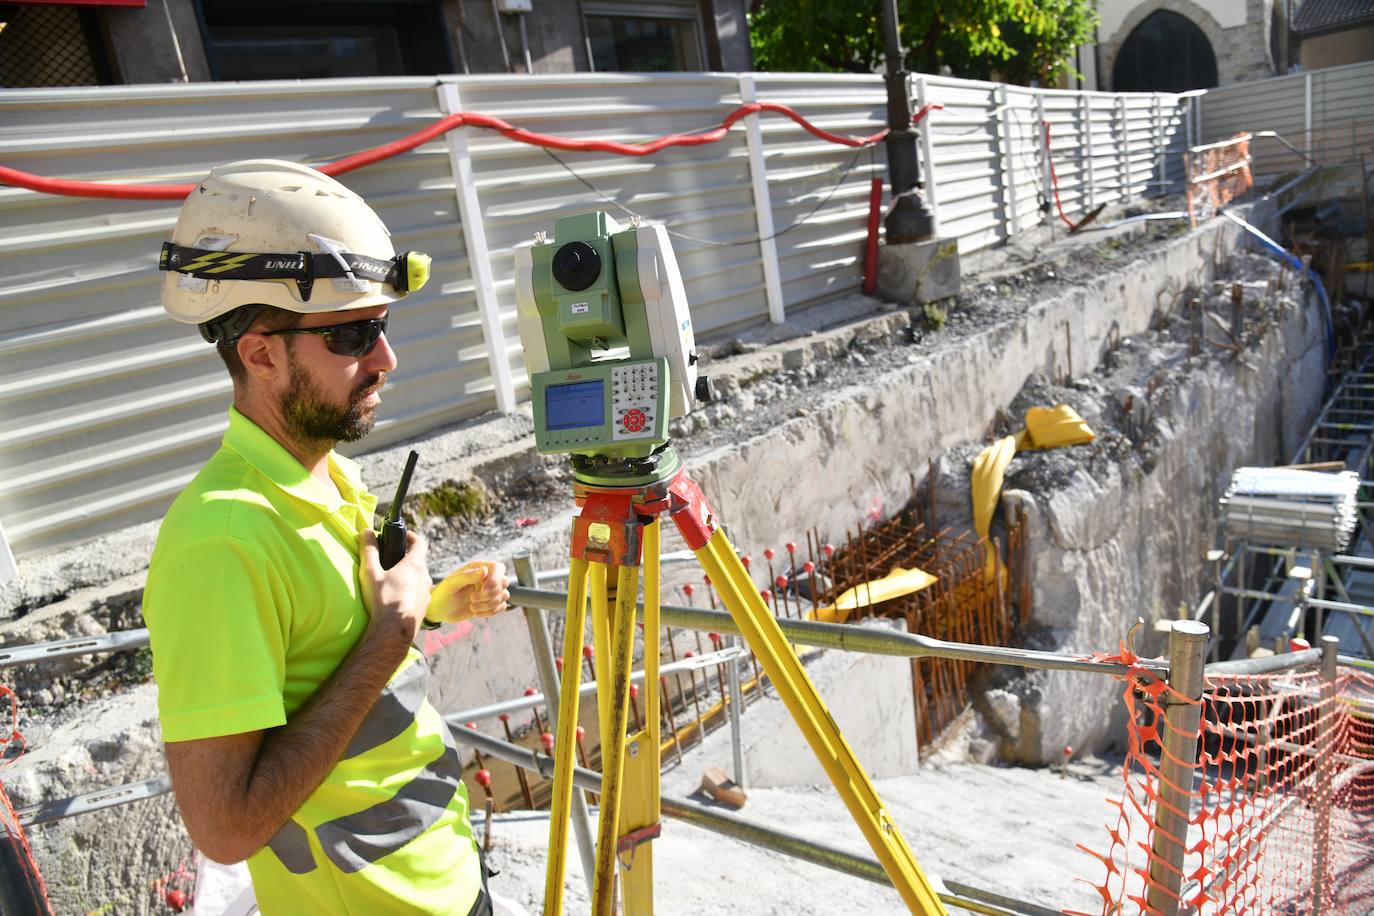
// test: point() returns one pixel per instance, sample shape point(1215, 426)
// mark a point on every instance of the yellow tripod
point(618, 529)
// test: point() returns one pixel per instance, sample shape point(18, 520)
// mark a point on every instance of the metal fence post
point(9, 570)
point(1001, 134)
point(479, 257)
point(1123, 149)
point(763, 206)
point(1046, 181)
point(928, 156)
point(526, 575)
point(1085, 174)
point(1321, 801)
point(1178, 760)
point(1157, 152)
point(1307, 114)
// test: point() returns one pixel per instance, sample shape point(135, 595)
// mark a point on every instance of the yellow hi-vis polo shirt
point(253, 599)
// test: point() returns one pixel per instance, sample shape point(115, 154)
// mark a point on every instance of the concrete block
point(919, 272)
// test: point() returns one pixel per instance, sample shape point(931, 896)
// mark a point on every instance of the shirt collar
point(278, 465)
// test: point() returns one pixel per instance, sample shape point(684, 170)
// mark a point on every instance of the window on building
point(42, 45)
point(1167, 52)
point(305, 39)
point(643, 36)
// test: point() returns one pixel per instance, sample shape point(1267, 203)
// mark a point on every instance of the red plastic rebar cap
point(547, 740)
point(483, 778)
point(634, 691)
point(768, 553)
point(808, 567)
point(530, 691)
point(780, 582)
point(791, 546)
point(581, 733)
point(587, 651)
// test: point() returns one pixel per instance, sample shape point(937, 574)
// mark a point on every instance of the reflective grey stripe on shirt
point(291, 846)
point(394, 710)
point(356, 840)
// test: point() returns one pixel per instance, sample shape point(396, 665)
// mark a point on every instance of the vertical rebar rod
point(1178, 760)
point(535, 622)
point(1322, 801)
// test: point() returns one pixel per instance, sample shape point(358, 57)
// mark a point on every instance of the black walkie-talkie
point(392, 539)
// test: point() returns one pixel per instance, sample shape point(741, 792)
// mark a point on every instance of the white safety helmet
point(269, 232)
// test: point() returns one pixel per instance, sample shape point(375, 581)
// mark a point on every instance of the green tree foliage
point(1015, 40)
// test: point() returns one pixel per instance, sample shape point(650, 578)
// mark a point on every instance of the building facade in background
point(1177, 45)
point(99, 42)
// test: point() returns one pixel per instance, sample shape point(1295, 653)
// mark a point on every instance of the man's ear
point(263, 357)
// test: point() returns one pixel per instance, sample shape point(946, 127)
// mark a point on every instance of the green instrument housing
point(581, 328)
point(612, 409)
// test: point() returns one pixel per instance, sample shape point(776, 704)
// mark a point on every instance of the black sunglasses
point(355, 339)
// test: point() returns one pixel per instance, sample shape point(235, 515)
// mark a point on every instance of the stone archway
point(1216, 37)
point(1167, 52)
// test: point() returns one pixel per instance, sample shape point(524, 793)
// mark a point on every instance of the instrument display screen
point(575, 405)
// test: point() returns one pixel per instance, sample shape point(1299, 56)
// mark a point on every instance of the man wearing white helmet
point(291, 698)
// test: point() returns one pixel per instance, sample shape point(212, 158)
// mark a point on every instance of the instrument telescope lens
point(576, 266)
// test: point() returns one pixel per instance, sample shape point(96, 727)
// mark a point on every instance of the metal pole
point(860, 639)
point(1321, 802)
point(526, 574)
point(909, 220)
point(1187, 653)
point(736, 702)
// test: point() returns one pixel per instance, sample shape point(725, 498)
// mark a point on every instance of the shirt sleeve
point(218, 612)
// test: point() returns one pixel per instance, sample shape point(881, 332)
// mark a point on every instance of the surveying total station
point(607, 335)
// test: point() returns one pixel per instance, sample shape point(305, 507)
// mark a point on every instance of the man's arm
point(236, 791)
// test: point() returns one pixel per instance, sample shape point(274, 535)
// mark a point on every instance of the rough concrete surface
point(1119, 529)
point(812, 432)
point(1009, 830)
point(869, 697)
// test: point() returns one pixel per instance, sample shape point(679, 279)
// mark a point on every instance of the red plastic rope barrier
point(74, 188)
point(1281, 810)
point(1054, 180)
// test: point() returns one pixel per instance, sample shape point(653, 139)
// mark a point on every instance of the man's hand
point(395, 597)
point(478, 589)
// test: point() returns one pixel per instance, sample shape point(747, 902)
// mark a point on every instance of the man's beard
point(310, 417)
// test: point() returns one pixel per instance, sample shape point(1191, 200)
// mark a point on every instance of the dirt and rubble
point(1120, 526)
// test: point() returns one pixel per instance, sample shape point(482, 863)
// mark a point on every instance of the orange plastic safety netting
point(1216, 175)
point(1280, 814)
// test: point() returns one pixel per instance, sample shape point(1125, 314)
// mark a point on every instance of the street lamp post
point(910, 219)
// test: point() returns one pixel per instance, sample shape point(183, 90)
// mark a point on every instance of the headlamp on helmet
point(405, 272)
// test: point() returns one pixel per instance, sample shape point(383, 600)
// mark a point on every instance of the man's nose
point(382, 358)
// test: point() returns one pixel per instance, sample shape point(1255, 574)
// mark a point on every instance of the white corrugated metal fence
point(108, 408)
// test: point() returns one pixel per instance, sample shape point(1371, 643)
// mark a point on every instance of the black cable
point(845, 172)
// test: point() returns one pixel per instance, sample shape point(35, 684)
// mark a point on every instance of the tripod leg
point(616, 693)
point(601, 642)
point(765, 637)
point(565, 746)
point(639, 812)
